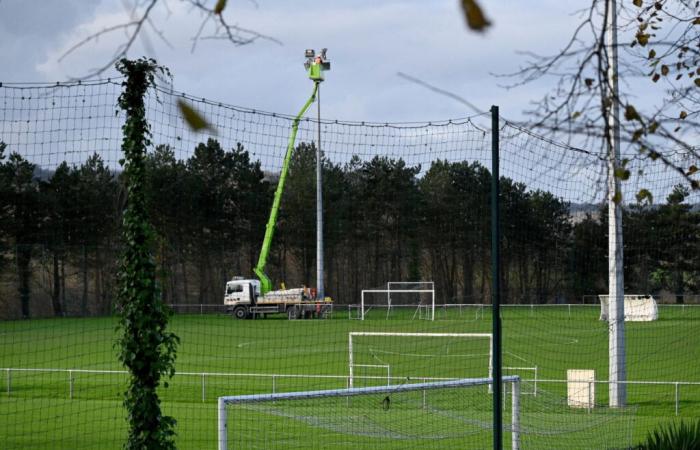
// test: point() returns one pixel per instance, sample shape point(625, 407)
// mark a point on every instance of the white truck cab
point(240, 291)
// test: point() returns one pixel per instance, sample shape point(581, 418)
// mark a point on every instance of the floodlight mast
point(316, 64)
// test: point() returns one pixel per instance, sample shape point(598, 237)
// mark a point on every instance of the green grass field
point(228, 357)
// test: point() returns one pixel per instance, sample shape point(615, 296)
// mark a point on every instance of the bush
point(673, 436)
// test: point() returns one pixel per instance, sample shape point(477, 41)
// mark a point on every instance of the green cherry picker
point(249, 298)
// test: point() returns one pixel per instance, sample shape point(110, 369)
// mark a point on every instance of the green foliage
point(145, 347)
point(673, 436)
point(20, 217)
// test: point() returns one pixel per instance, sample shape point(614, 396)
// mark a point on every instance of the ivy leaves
point(145, 347)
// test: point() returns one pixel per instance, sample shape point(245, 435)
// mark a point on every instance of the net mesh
point(445, 417)
point(401, 202)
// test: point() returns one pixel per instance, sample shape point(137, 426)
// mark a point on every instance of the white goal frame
point(638, 308)
point(418, 313)
point(351, 392)
point(351, 362)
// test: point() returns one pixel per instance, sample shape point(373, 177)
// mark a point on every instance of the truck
point(244, 300)
point(250, 298)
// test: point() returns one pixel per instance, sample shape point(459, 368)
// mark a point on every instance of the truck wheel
point(240, 312)
point(292, 313)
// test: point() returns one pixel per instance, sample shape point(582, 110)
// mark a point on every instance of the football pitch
point(62, 386)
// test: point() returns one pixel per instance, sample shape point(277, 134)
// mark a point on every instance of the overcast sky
point(368, 42)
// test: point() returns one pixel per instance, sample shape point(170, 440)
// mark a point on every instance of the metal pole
point(496, 283)
point(616, 290)
point(515, 416)
point(676, 398)
point(222, 432)
point(319, 201)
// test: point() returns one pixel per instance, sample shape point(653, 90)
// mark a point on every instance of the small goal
point(398, 299)
point(638, 308)
point(455, 413)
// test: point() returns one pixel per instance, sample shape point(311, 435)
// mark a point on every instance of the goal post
point(364, 416)
point(409, 358)
point(420, 297)
point(638, 308)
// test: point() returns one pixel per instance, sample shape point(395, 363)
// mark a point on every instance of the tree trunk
point(84, 271)
point(56, 288)
point(24, 256)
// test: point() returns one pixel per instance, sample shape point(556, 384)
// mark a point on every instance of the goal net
point(411, 357)
point(399, 300)
point(638, 308)
point(443, 414)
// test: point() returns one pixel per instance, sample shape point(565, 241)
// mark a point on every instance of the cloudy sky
point(369, 41)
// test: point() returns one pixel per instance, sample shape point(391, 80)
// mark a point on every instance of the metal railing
point(343, 380)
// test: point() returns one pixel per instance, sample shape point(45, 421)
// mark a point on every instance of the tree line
point(384, 221)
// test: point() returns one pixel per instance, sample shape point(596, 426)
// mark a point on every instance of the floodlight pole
point(616, 278)
point(320, 294)
point(316, 65)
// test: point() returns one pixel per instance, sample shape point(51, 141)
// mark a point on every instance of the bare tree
point(659, 55)
point(214, 25)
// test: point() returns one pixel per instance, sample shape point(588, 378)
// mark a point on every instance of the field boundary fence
point(276, 377)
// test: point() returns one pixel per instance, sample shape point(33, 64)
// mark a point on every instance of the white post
point(9, 381)
point(616, 312)
point(70, 384)
point(362, 306)
point(677, 398)
point(350, 360)
point(223, 434)
point(515, 419)
point(432, 298)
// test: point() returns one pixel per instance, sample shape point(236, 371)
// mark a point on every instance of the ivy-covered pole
point(145, 346)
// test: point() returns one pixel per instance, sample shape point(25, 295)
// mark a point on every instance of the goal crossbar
point(350, 392)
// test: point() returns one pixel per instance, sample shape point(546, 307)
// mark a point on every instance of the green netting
point(403, 203)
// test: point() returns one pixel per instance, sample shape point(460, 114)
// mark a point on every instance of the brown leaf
point(642, 38)
point(655, 78)
point(589, 82)
point(474, 16)
point(220, 5)
point(697, 82)
point(683, 115)
point(664, 70)
point(696, 21)
point(692, 169)
point(637, 3)
point(193, 118)
point(652, 53)
point(631, 113)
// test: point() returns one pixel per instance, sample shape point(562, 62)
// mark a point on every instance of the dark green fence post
point(496, 285)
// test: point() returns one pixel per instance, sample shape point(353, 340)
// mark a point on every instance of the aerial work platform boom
point(265, 283)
